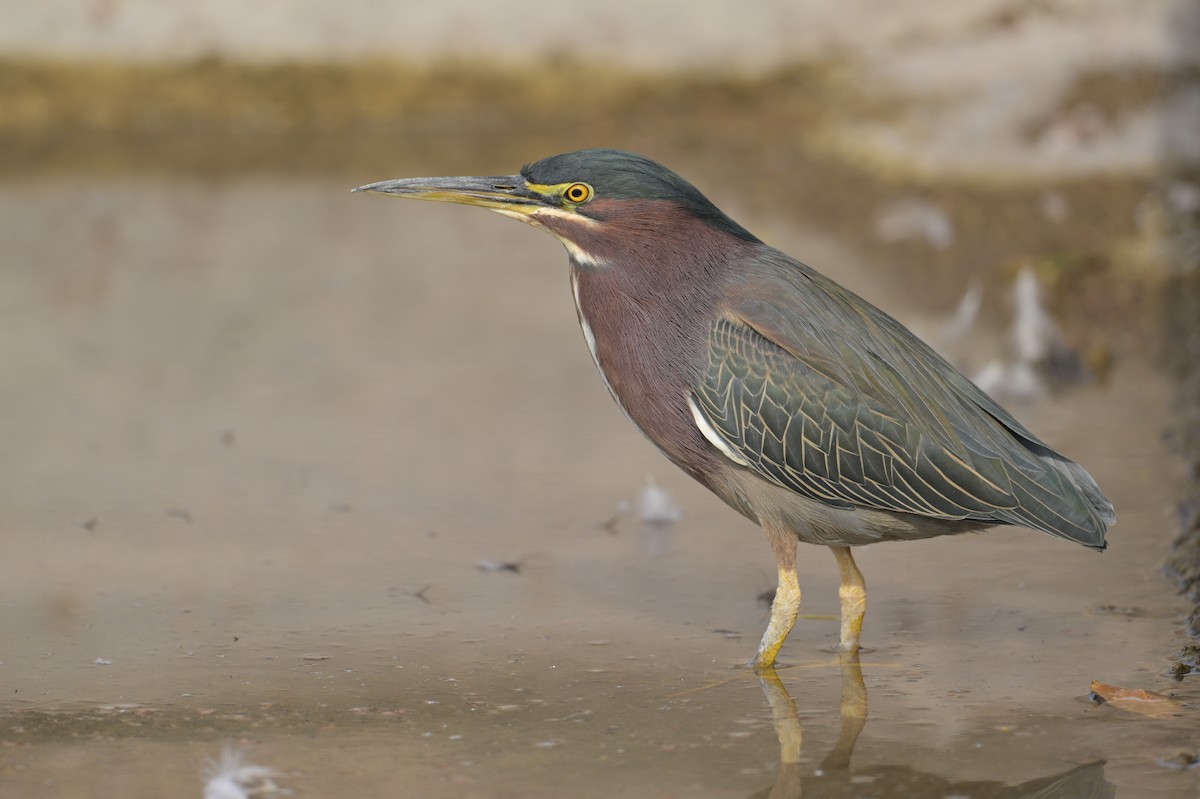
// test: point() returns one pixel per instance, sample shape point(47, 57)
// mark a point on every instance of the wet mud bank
point(1182, 357)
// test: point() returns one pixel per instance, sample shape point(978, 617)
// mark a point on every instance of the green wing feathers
point(873, 418)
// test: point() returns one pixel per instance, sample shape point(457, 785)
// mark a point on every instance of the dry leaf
point(1137, 700)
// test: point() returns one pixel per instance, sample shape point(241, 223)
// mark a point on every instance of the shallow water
point(260, 433)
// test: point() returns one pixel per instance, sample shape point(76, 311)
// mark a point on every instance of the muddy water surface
point(260, 436)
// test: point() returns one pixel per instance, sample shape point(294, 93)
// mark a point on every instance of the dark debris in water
point(1109, 609)
point(513, 566)
point(1182, 761)
point(1180, 670)
point(1187, 662)
point(183, 514)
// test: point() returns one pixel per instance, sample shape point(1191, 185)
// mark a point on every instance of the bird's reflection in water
point(834, 777)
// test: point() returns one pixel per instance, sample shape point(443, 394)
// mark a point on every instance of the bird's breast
point(590, 338)
point(649, 347)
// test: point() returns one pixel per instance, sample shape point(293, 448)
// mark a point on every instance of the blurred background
point(333, 480)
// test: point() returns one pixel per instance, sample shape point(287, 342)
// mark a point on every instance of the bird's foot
point(762, 667)
point(758, 665)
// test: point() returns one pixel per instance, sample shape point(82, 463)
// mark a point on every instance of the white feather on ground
point(955, 330)
point(655, 505)
point(231, 777)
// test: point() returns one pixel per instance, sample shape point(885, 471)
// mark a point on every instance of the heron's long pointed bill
point(506, 193)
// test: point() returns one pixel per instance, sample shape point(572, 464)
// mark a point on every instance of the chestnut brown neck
point(647, 299)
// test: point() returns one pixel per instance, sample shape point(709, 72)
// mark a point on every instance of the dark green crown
point(618, 175)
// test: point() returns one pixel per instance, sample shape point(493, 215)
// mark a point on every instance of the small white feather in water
point(1023, 383)
point(965, 315)
point(1016, 381)
point(655, 505)
point(1034, 332)
point(990, 378)
point(1042, 351)
point(232, 778)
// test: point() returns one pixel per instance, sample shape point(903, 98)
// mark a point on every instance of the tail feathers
point(1097, 512)
point(1101, 508)
point(1091, 492)
point(1057, 496)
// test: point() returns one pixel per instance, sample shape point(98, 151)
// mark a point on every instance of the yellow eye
point(578, 193)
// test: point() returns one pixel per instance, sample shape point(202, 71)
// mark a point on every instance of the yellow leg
point(853, 593)
point(787, 601)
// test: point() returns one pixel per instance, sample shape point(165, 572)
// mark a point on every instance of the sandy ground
point(259, 434)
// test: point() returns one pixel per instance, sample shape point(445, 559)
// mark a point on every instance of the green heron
point(798, 403)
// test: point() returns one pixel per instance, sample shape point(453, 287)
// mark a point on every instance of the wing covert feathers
point(872, 418)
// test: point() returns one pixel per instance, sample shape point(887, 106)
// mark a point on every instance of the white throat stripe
point(579, 255)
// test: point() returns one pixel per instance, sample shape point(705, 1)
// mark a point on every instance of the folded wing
point(866, 415)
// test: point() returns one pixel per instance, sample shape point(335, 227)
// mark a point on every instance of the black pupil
point(577, 192)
